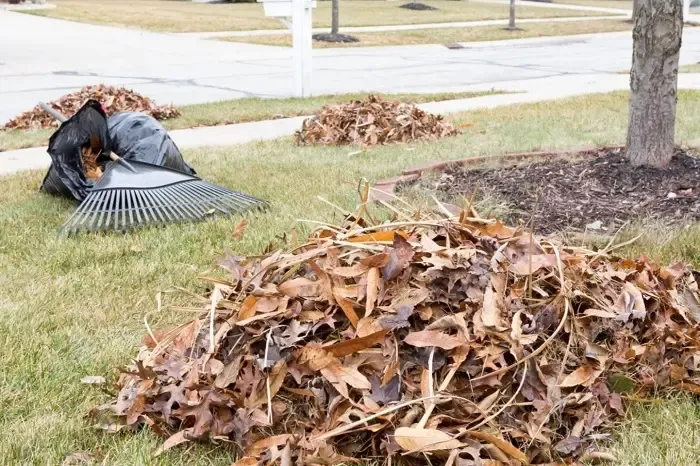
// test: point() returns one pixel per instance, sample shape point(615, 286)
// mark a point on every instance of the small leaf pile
point(455, 341)
point(370, 122)
point(113, 100)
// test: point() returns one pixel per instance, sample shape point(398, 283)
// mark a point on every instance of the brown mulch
point(370, 122)
point(113, 100)
point(574, 194)
point(455, 341)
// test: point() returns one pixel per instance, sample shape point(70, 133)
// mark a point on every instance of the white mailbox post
point(296, 15)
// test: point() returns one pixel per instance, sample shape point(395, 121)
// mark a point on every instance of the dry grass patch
point(186, 16)
point(452, 35)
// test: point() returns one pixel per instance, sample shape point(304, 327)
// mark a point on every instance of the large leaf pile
point(453, 341)
point(370, 122)
point(113, 100)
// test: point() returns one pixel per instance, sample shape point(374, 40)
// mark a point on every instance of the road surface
point(44, 58)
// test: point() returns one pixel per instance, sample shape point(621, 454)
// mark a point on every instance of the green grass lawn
point(452, 35)
point(695, 68)
point(185, 16)
point(239, 111)
point(75, 307)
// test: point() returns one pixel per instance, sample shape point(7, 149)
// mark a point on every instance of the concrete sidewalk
point(401, 27)
point(536, 90)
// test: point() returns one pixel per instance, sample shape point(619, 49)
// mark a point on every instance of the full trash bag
point(66, 176)
point(131, 135)
point(140, 137)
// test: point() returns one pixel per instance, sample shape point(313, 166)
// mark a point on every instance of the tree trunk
point(658, 26)
point(511, 18)
point(334, 16)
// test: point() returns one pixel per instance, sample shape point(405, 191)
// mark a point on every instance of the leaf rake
point(131, 195)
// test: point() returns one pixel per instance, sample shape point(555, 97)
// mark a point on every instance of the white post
point(686, 10)
point(308, 43)
point(301, 37)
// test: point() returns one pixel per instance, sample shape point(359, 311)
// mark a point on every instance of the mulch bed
point(418, 6)
point(339, 38)
point(601, 192)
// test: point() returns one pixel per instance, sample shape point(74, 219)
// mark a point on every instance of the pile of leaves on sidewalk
point(370, 122)
point(440, 340)
point(113, 100)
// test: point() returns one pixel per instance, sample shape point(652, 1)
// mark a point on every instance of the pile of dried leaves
point(455, 341)
point(113, 100)
point(370, 122)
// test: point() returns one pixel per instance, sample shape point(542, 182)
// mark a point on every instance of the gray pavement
point(49, 58)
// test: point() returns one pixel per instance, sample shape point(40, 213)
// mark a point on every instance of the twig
point(541, 348)
point(267, 382)
point(431, 405)
point(505, 406)
point(342, 429)
point(626, 243)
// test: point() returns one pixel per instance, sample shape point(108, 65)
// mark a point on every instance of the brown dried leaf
point(348, 347)
point(269, 442)
point(503, 445)
point(240, 229)
point(427, 338)
point(372, 290)
point(348, 309)
point(580, 376)
point(247, 308)
point(300, 287)
point(174, 440)
point(424, 440)
point(400, 255)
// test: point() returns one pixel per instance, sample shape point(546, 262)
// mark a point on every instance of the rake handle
point(115, 158)
point(61, 118)
point(48, 109)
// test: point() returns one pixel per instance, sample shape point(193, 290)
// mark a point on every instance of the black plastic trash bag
point(66, 176)
point(140, 137)
point(131, 135)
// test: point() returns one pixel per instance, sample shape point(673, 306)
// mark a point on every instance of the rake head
point(137, 194)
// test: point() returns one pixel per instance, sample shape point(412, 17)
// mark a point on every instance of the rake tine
point(177, 211)
point(124, 209)
point(100, 199)
point(137, 209)
point(155, 206)
point(191, 204)
point(202, 202)
point(183, 203)
point(223, 195)
point(130, 204)
point(73, 219)
point(149, 215)
point(239, 197)
point(104, 211)
point(115, 209)
point(205, 203)
point(91, 203)
point(173, 214)
point(196, 201)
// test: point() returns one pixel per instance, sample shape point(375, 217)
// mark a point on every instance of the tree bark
point(658, 26)
point(511, 18)
point(335, 20)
